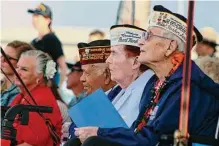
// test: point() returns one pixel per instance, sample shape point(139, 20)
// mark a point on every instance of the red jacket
point(36, 132)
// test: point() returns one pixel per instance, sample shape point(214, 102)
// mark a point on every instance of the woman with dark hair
point(37, 69)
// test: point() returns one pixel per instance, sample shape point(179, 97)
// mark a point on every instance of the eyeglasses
point(146, 35)
point(9, 58)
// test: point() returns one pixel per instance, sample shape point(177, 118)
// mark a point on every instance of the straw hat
point(211, 37)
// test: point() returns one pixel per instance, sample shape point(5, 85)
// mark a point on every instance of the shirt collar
point(108, 91)
point(139, 79)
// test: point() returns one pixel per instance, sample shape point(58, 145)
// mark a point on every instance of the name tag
point(154, 112)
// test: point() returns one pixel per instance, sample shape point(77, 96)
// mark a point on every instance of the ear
point(172, 48)
point(107, 76)
point(40, 76)
point(48, 20)
point(135, 63)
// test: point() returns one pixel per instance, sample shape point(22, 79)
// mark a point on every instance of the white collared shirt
point(127, 101)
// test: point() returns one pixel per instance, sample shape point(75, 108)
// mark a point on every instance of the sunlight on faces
point(40, 21)
point(154, 48)
point(26, 68)
point(120, 64)
point(93, 77)
point(10, 51)
point(204, 50)
point(73, 79)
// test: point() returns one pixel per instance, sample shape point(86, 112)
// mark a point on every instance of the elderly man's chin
point(143, 58)
point(113, 78)
point(87, 90)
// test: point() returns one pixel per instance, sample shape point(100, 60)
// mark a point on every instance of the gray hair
point(180, 43)
point(210, 66)
point(41, 58)
point(100, 68)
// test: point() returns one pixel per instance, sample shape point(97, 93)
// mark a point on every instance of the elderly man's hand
point(85, 132)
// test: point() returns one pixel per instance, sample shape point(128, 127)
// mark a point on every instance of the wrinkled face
point(39, 21)
point(204, 50)
point(120, 64)
point(93, 77)
point(12, 56)
point(74, 78)
point(153, 48)
point(26, 68)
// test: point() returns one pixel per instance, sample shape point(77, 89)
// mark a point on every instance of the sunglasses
point(146, 35)
point(9, 58)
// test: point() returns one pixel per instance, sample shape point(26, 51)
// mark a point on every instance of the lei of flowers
point(159, 85)
point(50, 69)
point(158, 88)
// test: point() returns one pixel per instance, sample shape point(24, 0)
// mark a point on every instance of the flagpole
point(133, 12)
point(118, 12)
point(181, 136)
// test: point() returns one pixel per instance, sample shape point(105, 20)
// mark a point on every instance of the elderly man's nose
point(108, 60)
point(82, 78)
point(141, 42)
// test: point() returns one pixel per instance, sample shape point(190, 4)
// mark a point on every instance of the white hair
point(180, 43)
point(210, 66)
point(41, 57)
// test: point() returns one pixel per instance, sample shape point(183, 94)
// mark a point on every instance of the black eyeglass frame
point(9, 57)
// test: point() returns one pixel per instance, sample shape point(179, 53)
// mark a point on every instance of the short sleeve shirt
point(49, 44)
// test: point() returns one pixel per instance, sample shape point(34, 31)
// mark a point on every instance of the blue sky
point(97, 13)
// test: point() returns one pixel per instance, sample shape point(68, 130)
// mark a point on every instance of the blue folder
point(196, 144)
point(96, 110)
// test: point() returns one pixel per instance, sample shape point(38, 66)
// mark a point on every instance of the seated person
point(73, 90)
point(8, 89)
point(96, 73)
point(162, 50)
point(37, 69)
point(128, 73)
point(207, 47)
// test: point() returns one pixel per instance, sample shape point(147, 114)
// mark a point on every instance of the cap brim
point(35, 12)
point(69, 65)
point(31, 11)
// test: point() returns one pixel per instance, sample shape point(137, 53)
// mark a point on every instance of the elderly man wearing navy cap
point(46, 40)
point(96, 73)
point(162, 48)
